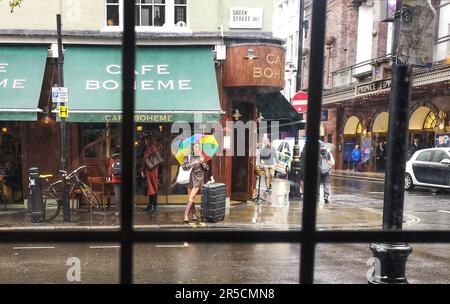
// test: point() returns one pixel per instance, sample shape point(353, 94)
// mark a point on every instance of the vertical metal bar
point(396, 34)
point(294, 176)
point(397, 146)
point(65, 192)
point(300, 46)
point(312, 144)
point(128, 101)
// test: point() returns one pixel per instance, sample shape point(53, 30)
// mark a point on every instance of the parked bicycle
point(54, 191)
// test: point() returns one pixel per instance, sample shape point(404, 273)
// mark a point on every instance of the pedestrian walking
point(380, 152)
point(356, 158)
point(267, 156)
point(326, 163)
point(115, 171)
point(151, 174)
point(196, 163)
point(302, 171)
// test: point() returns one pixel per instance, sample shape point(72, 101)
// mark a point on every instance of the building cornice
point(422, 77)
point(145, 38)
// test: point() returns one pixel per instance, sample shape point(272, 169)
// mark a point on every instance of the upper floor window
point(180, 11)
point(149, 13)
point(112, 13)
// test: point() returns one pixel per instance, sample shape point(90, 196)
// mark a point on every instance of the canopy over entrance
point(21, 75)
point(172, 84)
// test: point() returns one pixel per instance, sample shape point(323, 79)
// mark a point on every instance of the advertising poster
point(442, 140)
point(366, 144)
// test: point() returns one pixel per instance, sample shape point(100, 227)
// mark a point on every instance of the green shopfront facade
point(173, 84)
point(182, 83)
point(21, 78)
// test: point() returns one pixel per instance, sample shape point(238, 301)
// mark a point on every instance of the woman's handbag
point(154, 161)
point(183, 176)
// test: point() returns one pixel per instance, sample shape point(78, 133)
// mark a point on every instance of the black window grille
point(308, 237)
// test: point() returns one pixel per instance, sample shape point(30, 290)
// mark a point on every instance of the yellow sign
point(63, 111)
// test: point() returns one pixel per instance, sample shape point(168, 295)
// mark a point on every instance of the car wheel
point(408, 182)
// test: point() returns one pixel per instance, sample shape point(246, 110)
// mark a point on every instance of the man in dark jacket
point(416, 146)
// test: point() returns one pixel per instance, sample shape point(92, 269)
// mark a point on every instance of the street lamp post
point(295, 164)
point(65, 192)
point(390, 258)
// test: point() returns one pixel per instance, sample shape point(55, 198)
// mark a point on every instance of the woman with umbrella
point(196, 163)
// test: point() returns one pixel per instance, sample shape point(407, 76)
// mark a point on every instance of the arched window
point(430, 121)
point(359, 128)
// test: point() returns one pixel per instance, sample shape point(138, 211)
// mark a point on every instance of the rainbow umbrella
point(208, 142)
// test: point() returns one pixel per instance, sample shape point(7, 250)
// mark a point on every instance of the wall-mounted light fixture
point(251, 54)
point(47, 119)
point(260, 117)
point(291, 69)
point(236, 115)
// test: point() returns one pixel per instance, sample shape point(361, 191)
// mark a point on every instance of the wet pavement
point(355, 204)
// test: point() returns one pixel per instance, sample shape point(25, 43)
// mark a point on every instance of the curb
point(375, 179)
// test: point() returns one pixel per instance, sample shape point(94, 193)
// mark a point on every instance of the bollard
point(36, 205)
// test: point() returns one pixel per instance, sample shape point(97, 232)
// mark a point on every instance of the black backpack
point(117, 167)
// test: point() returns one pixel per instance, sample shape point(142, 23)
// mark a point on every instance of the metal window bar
point(308, 237)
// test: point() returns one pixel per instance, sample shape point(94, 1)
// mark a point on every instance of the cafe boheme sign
point(171, 83)
point(156, 118)
point(263, 68)
point(374, 87)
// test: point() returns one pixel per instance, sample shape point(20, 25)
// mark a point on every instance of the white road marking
point(185, 244)
point(31, 247)
point(104, 247)
point(444, 211)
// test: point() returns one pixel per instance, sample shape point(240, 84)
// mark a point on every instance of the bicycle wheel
point(89, 195)
point(51, 213)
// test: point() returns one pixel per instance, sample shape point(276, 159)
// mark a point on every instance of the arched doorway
point(421, 125)
point(380, 129)
point(353, 128)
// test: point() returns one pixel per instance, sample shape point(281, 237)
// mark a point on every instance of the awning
point(275, 107)
point(21, 75)
point(172, 84)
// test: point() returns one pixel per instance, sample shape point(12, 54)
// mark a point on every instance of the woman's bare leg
point(187, 210)
point(192, 196)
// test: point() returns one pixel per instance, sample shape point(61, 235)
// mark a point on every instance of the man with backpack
point(115, 171)
point(326, 163)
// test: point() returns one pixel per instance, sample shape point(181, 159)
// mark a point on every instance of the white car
point(284, 152)
point(429, 168)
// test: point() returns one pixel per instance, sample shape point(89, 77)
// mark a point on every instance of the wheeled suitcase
point(213, 202)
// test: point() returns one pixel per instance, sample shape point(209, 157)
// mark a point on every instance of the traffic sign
point(63, 111)
point(60, 95)
point(300, 102)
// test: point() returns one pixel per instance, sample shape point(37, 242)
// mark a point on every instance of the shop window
point(97, 140)
point(430, 121)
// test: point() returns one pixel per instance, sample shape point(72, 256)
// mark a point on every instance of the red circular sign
point(300, 102)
